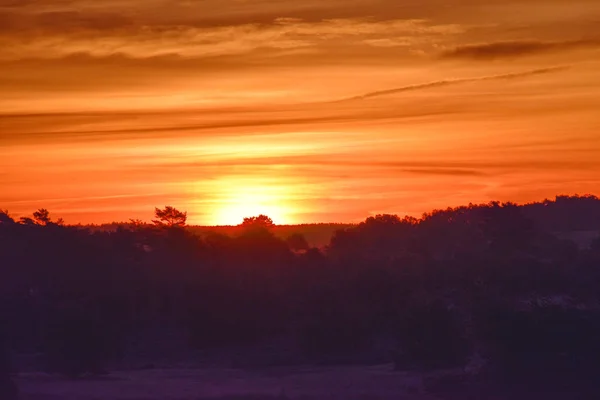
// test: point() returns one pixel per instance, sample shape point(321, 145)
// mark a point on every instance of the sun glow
point(236, 202)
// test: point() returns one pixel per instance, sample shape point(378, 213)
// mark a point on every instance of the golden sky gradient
point(309, 111)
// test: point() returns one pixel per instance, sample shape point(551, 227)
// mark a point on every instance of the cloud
point(445, 171)
point(337, 160)
point(59, 34)
point(61, 21)
point(513, 49)
point(98, 126)
point(451, 82)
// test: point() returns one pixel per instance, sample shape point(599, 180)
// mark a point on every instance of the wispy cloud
point(514, 49)
point(60, 34)
point(450, 82)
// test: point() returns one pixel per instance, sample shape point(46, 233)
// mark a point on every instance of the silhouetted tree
point(42, 217)
point(27, 221)
point(379, 237)
point(297, 242)
point(169, 217)
point(383, 219)
point(5, 217)
point(506, 227)
point(136, 223)
point(262, 221)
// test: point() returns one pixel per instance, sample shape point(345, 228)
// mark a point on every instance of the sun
point(234, 213)
point(238, 202)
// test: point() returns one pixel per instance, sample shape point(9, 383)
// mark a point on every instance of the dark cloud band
point(502, 50)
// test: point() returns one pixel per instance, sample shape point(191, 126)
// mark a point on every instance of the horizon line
point(420, 218)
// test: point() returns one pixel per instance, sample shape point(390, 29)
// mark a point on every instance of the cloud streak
point(452, 82)
point(514, 49)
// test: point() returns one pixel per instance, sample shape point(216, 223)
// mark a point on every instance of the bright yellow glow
point(236, 202)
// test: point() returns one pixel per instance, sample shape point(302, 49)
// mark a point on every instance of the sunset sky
point(308, 111)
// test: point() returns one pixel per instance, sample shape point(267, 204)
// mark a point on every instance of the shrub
point(430, 336)
point(543, 343)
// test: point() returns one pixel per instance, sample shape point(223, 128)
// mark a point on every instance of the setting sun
point(237, 201)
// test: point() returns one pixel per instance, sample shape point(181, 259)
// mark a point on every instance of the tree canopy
point(169, 217)
point(42, 217)
point(261, 221)
point(5, 217)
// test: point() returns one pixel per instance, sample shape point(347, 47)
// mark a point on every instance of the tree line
point(499, 282)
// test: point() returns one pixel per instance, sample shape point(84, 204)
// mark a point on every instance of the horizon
point(305, 111)
point(420, 217)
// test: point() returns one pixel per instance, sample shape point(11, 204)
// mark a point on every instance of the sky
point(308, 111)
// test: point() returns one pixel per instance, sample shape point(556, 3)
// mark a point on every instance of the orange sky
point(309, 111)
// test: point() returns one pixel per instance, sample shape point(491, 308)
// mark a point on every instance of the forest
point(503, 292)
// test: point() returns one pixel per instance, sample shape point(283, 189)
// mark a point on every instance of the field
point(308, 383)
